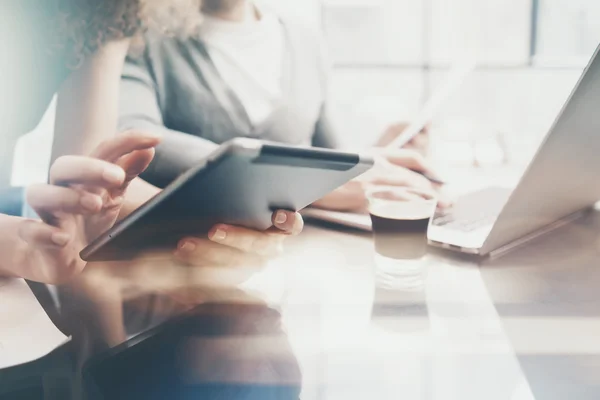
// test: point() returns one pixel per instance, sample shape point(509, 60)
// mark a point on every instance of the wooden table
point(525, 326)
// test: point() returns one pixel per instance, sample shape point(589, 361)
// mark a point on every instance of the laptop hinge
point(539, 232)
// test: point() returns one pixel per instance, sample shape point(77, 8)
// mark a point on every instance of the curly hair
point(81, 27)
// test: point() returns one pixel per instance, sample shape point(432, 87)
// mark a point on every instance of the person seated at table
point(247, 73)
point(84, 66)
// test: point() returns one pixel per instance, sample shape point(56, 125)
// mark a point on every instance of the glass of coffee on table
point(400, 218)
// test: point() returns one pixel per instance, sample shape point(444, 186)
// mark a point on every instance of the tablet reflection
point(160, 329)
point(220, 350)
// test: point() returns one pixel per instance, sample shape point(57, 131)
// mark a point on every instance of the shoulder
point(165, 59)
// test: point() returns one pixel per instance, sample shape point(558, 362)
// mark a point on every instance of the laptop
point(560, 184)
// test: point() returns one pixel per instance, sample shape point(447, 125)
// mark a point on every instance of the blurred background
point(388, 56)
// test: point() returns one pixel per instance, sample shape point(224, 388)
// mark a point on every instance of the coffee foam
point(410, 210)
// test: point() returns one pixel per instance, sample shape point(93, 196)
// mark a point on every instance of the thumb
point(135, 163)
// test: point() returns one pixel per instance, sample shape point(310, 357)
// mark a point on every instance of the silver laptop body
point(560, 183)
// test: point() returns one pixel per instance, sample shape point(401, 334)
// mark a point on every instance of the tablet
point(241, 184)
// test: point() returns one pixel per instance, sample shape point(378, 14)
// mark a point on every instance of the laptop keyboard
point(464, 225)
point(473, 211)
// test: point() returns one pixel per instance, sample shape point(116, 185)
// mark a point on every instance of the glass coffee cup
point(400, 217)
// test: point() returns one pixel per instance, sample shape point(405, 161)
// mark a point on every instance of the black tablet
point(241, 184)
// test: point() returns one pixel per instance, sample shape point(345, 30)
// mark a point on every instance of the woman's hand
point(420, 143)
point(230, 255)
point(223, 259)
point(392, 168)
point(82, 200)
point(235, 246)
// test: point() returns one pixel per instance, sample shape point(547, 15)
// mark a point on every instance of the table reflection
point(214, 351)
point(315, 324)
point(356, 340)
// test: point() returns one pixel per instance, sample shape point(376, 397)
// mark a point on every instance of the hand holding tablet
point(241, 184)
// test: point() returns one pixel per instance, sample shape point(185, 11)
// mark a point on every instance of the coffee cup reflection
point(400, 218)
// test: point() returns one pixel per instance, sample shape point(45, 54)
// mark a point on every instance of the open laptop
point(560, 184)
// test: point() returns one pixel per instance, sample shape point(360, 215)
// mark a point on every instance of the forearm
point(87, 107)
point(138, 193)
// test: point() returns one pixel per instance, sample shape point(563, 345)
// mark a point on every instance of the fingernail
point(60, 238)
point(114, 175)
point(281, 218)
point(219, 236)
point(188, 247)
point(90, 203)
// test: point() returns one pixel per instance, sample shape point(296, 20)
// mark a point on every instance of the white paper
point(26, 331)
